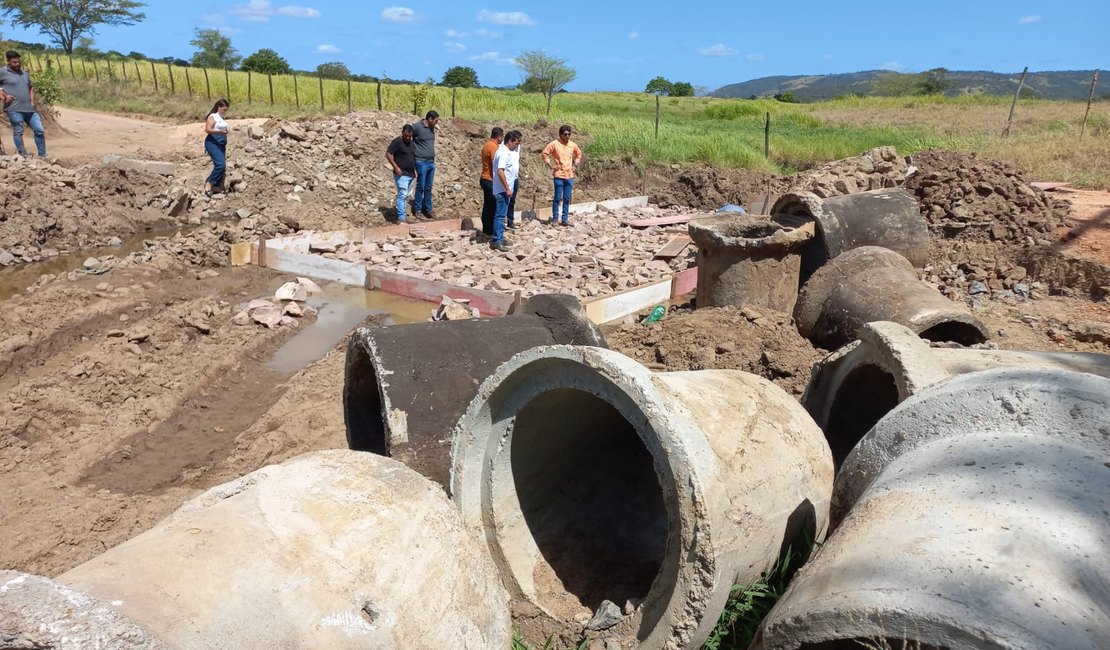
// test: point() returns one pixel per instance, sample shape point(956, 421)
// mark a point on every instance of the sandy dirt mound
point(757, 340)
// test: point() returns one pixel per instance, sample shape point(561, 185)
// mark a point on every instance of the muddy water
point(16, 278)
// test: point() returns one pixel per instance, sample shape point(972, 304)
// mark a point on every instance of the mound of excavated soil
point(752, 339)
point(965, 198)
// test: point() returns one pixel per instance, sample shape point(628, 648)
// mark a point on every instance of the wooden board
point(673, 248)
point(609, 308)
point(316, 266)
point(1048, 187)
point(628, 202)
point(684, 282)
point(658, 221)
point(244, 254)
point(489, 303)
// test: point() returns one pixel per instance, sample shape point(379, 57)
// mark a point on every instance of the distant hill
point(1066, 84)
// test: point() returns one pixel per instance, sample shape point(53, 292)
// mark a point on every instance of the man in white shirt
point(506, 170)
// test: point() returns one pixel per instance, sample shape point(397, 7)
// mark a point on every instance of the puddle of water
point(14, 279)
point(341, 308)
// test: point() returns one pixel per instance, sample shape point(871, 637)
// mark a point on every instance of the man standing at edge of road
point(17, 94)
point(424, 135)
point(489, 204)
point(506, 168)
point(563, 157)
point(401, 156)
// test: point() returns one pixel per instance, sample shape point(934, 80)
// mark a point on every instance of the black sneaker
point(499, 246)
point(512, 226)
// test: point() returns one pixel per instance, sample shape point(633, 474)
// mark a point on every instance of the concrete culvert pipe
point(889, 218)
point(854, 387)
point(974, 516)
point(333, 549)
point(744, 260)
point(407, 385)
point(871, 284)
point(594, 480)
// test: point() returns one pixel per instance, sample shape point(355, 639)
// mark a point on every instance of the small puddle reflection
point(341, 309)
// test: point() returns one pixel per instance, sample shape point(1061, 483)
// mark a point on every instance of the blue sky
point(622, 45)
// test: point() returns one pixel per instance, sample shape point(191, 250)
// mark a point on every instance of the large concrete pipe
point(745, 260)
point(975, 516)
point(889, 218)
point(854, 387)
point(870, 284)
point(407, 385)
point(593, 480)
point(334, 549)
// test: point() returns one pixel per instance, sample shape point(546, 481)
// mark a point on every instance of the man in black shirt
point(401, 155)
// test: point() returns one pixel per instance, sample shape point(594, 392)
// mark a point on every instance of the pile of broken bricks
point(283, 309)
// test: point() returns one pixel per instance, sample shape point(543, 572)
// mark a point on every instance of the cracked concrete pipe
point(406, 385)
point(744, 260)
point(593, 480)
point(333, 549)
point(889, 218)
point(974, 516)
point(854, 387)
point(871, 284)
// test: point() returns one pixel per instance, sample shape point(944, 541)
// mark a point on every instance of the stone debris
point(607, 615)
point(454, 309)
point(876, 169)
point(291, 291)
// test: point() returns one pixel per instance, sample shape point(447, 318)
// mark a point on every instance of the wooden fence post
point(123, 67)
point(138, 74)
point(71, 73)
point(227, 85)
point(320, 77)
point(296, 92)
point(767, 136)
point(349, 96)
point(454, 91)
point(379, 94)
point(96, 70)
point(270, 78)
point(154, 74)
point(1017, 93)
point(207, 86)
point(657, 117)
point(189, 82)
point(173, 84)
point(84, 70)
point(111, 77)
point(1091, 96)
point(249, 99)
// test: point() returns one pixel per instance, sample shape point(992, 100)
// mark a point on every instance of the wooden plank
point(316, 266)
point(627, 202)
point(658, 221)
point(489, 303)
point(605, 309)
point(1048, 187)
point(684, 282)
point(673, 248)
point(244, 254)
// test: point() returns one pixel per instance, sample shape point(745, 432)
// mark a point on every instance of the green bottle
point(655, 315)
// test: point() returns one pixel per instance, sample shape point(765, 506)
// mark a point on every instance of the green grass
point(621, 126)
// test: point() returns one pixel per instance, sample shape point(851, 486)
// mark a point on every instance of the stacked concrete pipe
point(889, 218)
point(593, 480)
point(974, 515)
point(407, 385)
point(854, 387)
point(871, 284)
point(334, 549)
point(745, 260)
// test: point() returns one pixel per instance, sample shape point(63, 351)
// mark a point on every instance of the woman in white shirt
point(215, 143)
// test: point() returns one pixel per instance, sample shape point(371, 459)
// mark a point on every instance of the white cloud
point(454, 33)
point(633, 35)
point(216, 19)
point(228, 31)
point(516, 18)
point(260, 11)
point(1029, 20)
point(828, 57)
point(327, 49)
point(753, 57)
point(454, 47)
point(493, 56)
point(398, 15)
point(893, 66)
point(485, 33)
point(720, 49)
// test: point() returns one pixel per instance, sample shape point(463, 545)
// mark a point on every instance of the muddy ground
point(125, 389)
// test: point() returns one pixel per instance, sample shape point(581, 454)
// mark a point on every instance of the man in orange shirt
point(489, 204)
point(563, 157)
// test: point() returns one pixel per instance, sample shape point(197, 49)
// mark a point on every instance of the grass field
point(1044, 140)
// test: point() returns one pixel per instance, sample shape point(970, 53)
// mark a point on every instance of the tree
point(266, 61)
point(333, 70)
point(786, 97)
point(65, 21)
point(460, 76)
point(659, 86)
point(933, 82)
point(547, 74)
point(682, 89)
point(138, 56)
point(214, 50)
point(85, 48)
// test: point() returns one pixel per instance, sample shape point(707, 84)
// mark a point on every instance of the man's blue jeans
point(18, 119)
point(499, 218)
point(402, 182)
point(563, 188)
point(426, 175)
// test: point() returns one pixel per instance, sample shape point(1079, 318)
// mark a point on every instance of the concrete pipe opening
point(867, 394)
point(362, 403)
point(592, 479)
point(879, 643)
point(954, 331)
point(590, 498)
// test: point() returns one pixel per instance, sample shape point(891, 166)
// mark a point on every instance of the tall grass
point(729, 133)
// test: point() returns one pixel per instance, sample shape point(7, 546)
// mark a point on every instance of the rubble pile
point(876, 169)
point(596, 256)
point(963, 197)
